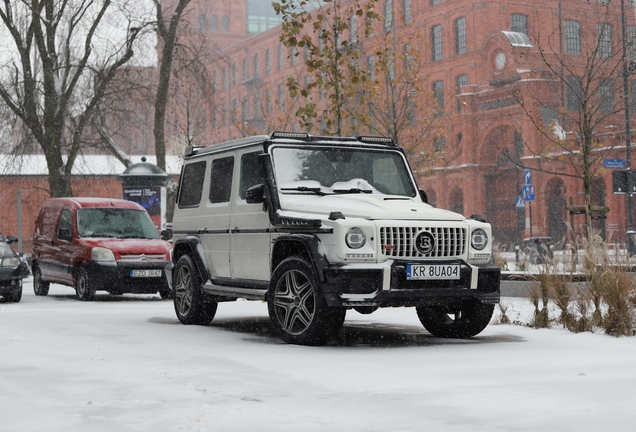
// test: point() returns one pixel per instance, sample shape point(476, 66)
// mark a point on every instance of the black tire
point(191, 305)
point(83, 287)
point(40, 288)
point(461, 322)
point(14, 297)
point(296, 306)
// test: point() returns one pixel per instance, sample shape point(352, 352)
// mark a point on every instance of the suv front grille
point(449, 242)
point(144, 257)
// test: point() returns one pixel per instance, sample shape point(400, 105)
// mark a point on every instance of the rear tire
point(191, 305)
point(83, 286)
point(296, 306)
point(40, 288)
point(461, 322)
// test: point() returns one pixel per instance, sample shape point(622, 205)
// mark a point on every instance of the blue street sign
point(527, 192)
point(614, 163)
point(519, 203)
point(527, 176)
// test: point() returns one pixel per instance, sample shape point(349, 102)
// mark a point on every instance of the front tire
point(83, 286)
point(40, 288)
point(461, 322)
point(15, 296)
point(296, 307)
point(191, 305)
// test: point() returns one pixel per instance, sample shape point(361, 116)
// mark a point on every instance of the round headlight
point(355, 238)
point(479, 239)
point(102, 254)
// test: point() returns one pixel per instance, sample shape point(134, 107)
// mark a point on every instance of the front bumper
point(115, 277)
point(386, 284)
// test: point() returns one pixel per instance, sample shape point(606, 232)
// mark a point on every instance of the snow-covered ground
point(126, 364)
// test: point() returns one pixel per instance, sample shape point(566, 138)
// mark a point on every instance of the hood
point(367, 206)
point(131, 246)
point(6, 251)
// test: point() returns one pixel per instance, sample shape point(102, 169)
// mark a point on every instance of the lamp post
point(631, 246)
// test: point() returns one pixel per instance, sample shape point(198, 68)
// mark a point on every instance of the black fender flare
point(305, 245)
point(191, 245)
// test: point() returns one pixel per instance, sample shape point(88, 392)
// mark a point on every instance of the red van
point(98, 244)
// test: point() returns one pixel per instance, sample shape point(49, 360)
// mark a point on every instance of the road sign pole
point(530, 209)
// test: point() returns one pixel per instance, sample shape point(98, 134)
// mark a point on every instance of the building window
point(268, 61)
point(214, 22)
point(408, 17)
point(224, 78)
point(292, 55)
point(281, 95)
point(436, 42)
point(281, 58)
point(244, 110)
point(371, 66)
point(408, 58)
point(519, 23)
point(573, 93)
point(461, 81)
point(606, 95)
point(257, 106)
point(388, 16)
point(440, 144)
point(214, 81)
point(438, 92)
point(572, 37)
point(257, 66)
point(460, 36)
point(225, 22)
point(224, 114)
point(353, 30)
point(202, 22)
point(604, 32)
point(632, 97)
point(631, 41)
point(234, 77)
point(268, 101)
point(246, 72)
point(434, 2)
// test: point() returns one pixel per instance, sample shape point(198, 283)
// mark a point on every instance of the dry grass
point(498, 257)
point(503, 315)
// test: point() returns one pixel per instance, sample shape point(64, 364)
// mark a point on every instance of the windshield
point(326, 171)
point(115, 223)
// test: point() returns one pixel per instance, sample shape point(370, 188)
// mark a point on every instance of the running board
point(246, 293)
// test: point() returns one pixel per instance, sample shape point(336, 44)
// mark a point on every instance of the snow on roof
point(35, 165)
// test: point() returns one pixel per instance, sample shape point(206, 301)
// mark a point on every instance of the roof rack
point(306, 137)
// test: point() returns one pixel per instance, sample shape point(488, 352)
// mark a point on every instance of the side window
point(221, 180)
point(47, 220)
point(191, 187)
point(250, 172)
point(65, 227)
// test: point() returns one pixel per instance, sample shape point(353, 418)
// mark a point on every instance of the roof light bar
point(376, 139)
point(297, 135)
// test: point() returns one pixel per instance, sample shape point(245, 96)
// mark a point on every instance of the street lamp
point(631, 246)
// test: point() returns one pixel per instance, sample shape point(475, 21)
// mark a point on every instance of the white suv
point(318, 225)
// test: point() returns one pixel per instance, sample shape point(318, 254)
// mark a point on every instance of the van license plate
point(145, 273)
point(432, 271)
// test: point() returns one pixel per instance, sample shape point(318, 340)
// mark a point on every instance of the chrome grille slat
point(143, 257)
point(449, 242)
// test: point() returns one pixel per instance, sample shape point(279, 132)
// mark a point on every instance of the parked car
point(98, 244)
point(12, 270)
point(316, 226)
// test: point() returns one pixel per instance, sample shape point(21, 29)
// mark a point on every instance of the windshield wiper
point(315, 190)
point(352, 191)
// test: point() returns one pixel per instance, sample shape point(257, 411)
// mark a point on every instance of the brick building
point(487, 72)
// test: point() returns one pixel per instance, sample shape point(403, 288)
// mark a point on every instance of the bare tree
point(66, 54)
point(167, 31)
point(573, 106)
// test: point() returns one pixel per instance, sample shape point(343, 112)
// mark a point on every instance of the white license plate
point(432, 271)
point(145, 273)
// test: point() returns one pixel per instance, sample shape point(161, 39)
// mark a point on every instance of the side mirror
point(65, 234)
point(166, 234)
point(11, 239)
point(255, 194)
point(423, 196)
